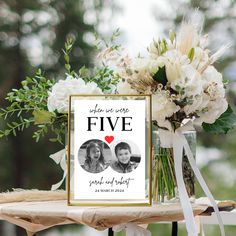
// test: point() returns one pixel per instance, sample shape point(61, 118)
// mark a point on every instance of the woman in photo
point(94, 159)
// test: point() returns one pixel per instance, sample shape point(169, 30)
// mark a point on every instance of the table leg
point(174, 228)
point(110, 232)
point(29, 233)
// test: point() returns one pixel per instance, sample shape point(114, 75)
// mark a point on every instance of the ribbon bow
point(60, 158)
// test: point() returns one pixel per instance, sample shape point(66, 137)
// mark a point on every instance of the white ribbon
point(132, 229)
point(179, 143)
point(202, 228)
point(60, 158)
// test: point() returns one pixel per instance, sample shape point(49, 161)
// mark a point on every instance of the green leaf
point(160, 76)
point(172, 36)
point(223, 124)
point(39, 72)
point(42, 117)
point(83, 70)
point(53, 140)
point(7, 132)
point(191, 54)
point(225, 81)
point(67, 58)
point(68, 67)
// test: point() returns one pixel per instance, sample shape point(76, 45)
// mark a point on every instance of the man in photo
point(123, 153)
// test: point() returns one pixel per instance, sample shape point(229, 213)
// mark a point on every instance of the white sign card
point(109, 148)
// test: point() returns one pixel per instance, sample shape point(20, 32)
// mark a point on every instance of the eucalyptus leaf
point(172, 36)
point(191, 54)
point(53, 140)
point(42, 117)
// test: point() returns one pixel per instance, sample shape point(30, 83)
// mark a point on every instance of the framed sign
point(109, 150)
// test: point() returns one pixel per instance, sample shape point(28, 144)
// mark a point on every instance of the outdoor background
point(32, 34)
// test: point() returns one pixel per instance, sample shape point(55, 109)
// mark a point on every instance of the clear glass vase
point(164, 181)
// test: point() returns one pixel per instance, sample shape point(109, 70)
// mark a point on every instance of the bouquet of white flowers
point(185, 87)
point(180, 75)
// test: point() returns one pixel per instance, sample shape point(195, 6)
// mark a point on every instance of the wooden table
point(38, 216)
point(35, 215)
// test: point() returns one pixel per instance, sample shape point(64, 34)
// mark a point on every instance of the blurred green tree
point(32, 35)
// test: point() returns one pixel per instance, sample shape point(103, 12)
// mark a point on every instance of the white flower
point(211, 103)
point(213, 83)
point(154, 47)
point(190, 82)
point(58, 98)
point(201, 58)
point(188, 37)
point(147, 64)
point(212, 75)
point(215, 91)
point(200, 103)
point(125, 88)
point(181, 74)
point(162, 107)
point(215, 109)
point(204, 41)
point(174, 61)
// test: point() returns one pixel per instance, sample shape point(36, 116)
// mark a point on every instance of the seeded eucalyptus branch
point(103, 76)
point(68, 48)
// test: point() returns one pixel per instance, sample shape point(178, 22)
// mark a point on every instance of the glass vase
point(164, 181)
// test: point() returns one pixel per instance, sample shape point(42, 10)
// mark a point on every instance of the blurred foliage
point(32, 35)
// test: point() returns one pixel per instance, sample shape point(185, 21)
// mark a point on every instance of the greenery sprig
point(28, 104)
